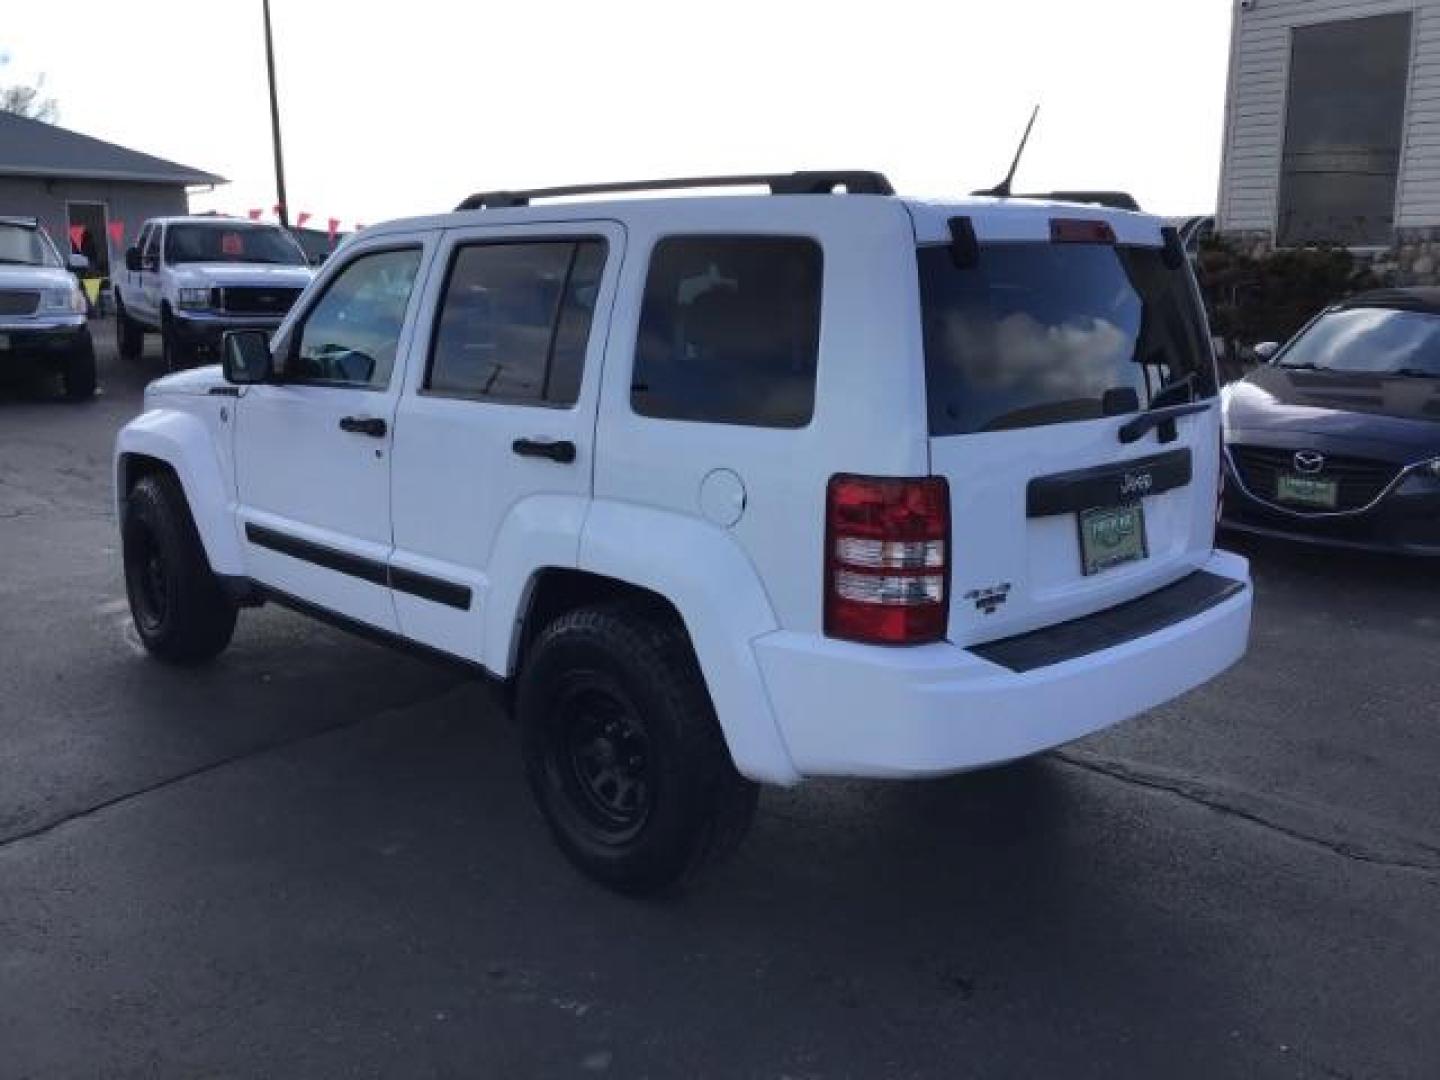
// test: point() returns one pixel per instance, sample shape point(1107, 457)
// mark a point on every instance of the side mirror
point(132, 259)
point(79, 263)
point(1266, 350)
point(246, 359)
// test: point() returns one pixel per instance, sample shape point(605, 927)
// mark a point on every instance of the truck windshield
point(230, 241)
point(21, 245)
point(1040, 333)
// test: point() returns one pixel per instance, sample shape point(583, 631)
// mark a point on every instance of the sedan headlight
point(195, 298)
point(71, 300)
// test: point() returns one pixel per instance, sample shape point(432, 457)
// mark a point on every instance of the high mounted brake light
point(1080, 231)
point(887, 559)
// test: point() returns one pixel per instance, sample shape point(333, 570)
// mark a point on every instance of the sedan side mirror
point(79, 263)
point(132, 259)
point(246, 358)
point(1266, 350)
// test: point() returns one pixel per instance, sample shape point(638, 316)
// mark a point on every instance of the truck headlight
point(194, 299)
point(71, 300)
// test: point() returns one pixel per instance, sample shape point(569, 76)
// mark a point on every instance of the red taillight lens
point(887, 559)
point(1080, 231)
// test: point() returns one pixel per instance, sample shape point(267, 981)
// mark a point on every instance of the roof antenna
point(1002, 189)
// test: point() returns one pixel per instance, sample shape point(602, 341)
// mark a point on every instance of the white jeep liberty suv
point(738, 489)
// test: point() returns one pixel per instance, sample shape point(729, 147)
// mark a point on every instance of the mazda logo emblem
point(1308, 461)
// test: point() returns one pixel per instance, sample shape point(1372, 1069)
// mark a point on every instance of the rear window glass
point(729, 331)
point(1040, 333)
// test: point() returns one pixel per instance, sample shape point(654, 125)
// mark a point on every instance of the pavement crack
point(46, 827)
point(1291, 820)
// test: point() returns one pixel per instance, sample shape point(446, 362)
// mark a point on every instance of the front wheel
point(180, 611)
point(129, 334)
point(623, 751)
point(78, 372)
point(171, 352)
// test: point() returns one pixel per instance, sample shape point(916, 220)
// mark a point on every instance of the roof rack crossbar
point(854, 181)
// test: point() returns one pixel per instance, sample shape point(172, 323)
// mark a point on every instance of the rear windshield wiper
point(1161, 415)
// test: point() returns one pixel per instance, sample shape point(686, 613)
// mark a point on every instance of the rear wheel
point(78, 372)
point(623, 752)
point(129, 334)
point(180, 612)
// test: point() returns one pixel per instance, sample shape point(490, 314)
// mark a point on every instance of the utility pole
point(283, 206)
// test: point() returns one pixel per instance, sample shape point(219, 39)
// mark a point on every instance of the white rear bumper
point(858, 710)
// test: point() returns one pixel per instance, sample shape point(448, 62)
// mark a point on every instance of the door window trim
point(452, 257)
point(296, 331)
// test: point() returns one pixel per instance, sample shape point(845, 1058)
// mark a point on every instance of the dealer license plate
point(1111, 536)
point(1307, 491)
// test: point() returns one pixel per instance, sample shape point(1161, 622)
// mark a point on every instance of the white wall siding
point(1255, 111)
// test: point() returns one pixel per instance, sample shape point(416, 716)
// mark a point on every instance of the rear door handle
point(364, 425)
point(561, 450)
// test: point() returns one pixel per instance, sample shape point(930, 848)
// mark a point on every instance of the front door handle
point(364, 425)
point(561, 450)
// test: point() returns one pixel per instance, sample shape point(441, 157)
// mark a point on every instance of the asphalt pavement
point(317, 858)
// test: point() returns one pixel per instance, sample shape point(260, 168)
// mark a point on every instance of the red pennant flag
point(77, 236)
point(334, 228)
point(255, 214)
point(359, 226)
point(301, 218)
point(278, 209)
point(117, 232)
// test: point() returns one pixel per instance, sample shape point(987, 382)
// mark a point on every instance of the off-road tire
point(698, 808)
point(170, 351)
point(78, 372)
point(180, 611)
point(129, 334)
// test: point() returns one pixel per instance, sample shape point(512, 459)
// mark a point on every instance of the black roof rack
point(854, 181)
point(1116, 200)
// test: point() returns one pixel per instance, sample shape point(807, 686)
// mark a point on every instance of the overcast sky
point(400, 108)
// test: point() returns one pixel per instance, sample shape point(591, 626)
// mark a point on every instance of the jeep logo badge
point(1136, 483)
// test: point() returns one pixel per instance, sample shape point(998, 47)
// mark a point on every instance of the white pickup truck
point(190, 279)
point(730, 490)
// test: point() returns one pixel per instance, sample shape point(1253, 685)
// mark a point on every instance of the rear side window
point(1038, 333)
point(515, 322)
point(730, 331)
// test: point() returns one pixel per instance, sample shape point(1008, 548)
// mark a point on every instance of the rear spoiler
point(1116, 200)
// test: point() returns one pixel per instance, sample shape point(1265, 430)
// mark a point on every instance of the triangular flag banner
point(278, 209)
point(334, 228)
point(255, 214)
point(117, 232)
point(77, 236)
point(301, 218)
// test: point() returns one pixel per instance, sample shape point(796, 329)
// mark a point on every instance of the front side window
point(230, 241)
point(730, 331)
point(514, 323)
point(1036, 333)
point(351, 334)
point(1344, 124)
point(21, 245)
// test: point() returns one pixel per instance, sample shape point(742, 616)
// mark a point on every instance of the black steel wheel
point(181, 613)
point(623, 751)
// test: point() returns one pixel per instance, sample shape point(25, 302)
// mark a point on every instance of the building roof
point(32, 148)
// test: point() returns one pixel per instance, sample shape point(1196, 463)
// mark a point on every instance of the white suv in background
point(43, 324)
point(731, 489)
point(192, 278)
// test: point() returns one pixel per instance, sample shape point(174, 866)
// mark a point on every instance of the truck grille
point(1360, 480)
point(18, 301)
point(258, 299)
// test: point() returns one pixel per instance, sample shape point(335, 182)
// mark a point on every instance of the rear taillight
point(887, 559)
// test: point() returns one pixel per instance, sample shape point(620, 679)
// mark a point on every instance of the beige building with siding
point(1332, 129)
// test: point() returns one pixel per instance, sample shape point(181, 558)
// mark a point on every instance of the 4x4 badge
point(988, 599)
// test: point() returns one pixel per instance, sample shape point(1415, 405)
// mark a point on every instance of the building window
point(1344, 120)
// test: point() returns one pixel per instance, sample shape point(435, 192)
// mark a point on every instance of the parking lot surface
point(318, 858)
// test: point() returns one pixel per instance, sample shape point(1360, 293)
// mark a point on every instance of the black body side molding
point(437, 590)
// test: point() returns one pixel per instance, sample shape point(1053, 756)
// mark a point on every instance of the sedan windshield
point(25, 246)
point(230, 241)
point(1369, 341)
